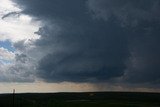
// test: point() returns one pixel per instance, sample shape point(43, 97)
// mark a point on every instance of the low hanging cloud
point(143, 66)
point(84, 41)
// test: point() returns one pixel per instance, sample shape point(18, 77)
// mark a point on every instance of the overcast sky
point(79, 45)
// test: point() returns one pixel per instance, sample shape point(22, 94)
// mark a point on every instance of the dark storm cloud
point(84, 41)
point(54, 8)
point(144, 65)
point(127, 12)
point(87, 53)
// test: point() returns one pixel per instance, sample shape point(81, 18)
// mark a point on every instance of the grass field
point(95, 99)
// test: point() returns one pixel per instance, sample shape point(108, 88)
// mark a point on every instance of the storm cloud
point(96, 40)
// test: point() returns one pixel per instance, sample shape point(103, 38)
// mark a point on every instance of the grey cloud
point(21, 58)
point(22, 68)
point(81, 50)
point(53, 8)
point(21, 73)
point(20, 45)
point(144, 65)
point(127, 12)
point(18, 72)
point(83, 56)
point(77, 48)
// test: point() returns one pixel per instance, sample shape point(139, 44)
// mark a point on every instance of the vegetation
point(88, 99)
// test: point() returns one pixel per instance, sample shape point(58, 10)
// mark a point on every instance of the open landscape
point(86, 99)
point(80, 53)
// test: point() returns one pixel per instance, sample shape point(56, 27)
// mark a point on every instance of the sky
point(79, 45)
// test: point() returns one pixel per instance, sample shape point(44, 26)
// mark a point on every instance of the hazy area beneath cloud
point(88, 41)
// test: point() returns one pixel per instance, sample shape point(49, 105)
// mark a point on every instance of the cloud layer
point(93, 41)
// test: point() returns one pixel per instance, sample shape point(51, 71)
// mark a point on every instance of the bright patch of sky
point(7, 44)
point(14, 26)
point(6, 56)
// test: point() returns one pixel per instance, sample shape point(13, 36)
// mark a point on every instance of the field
point(88, 99)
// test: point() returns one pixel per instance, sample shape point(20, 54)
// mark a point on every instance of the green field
point(88, 99)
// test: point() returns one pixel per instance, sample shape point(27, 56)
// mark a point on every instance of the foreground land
point(92, 99)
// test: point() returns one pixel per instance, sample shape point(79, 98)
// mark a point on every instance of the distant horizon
point(151, 92)
point(42, 87)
